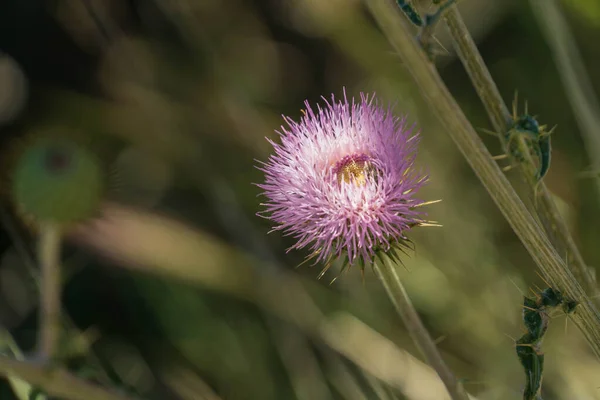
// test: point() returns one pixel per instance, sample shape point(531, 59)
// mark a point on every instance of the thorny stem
point(477, 155)
point(576, 80)
point(500, 117)
point(419, 334)
point(50, 290)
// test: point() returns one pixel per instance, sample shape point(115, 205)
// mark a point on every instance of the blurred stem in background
point(163, 247)
point(470, 144)
point(50, 290)
point(21, 388)
point(419, 334)
point(553, 223)
point(575, 79)
point(23, 376)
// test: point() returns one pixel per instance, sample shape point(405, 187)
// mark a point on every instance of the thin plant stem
point(500, 117)
point(575, 79)
point(50, 290)
point(550, 263)
point(417, 331)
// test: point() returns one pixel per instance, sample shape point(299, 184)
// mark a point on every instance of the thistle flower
point(342, 182)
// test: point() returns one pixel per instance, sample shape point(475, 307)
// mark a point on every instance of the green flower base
point(57, 180)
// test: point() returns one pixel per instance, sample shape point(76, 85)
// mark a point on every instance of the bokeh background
point(181, 294)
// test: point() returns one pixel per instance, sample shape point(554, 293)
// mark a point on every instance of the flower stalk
point(56, 182)
point(386, 272)
point(50, 290)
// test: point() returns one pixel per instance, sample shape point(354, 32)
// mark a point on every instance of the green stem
point(553, 223)
point(479, 158)
point(419, 334)
point(50, 290)
point(575, 79)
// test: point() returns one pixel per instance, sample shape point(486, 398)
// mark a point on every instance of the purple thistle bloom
point(342, 180)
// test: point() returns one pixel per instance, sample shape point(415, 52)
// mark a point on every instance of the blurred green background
point(177, 97)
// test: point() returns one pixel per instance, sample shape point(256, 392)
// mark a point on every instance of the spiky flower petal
point(343, 180)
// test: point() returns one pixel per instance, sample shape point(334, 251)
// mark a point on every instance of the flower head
point(56, 179)
point(342, 181)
